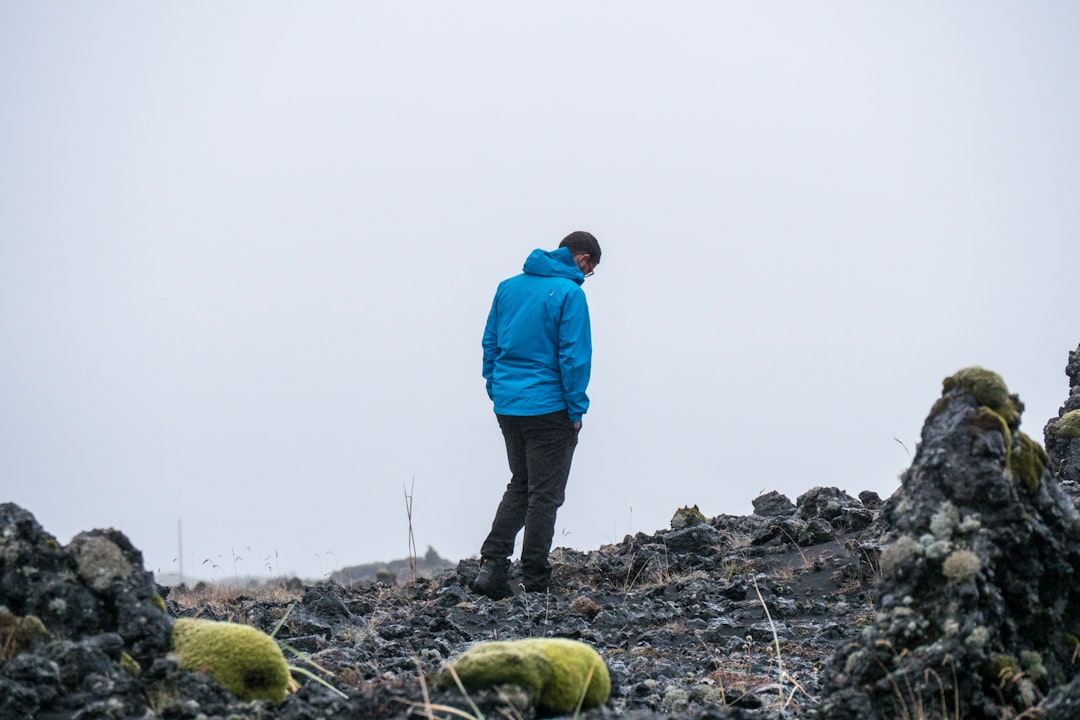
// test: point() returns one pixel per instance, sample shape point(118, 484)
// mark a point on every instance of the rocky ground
point(679, 616)
point(954, 598)
point(689, 621)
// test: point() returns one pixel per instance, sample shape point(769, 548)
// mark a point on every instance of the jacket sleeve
point(491, 347)
point(575, 354)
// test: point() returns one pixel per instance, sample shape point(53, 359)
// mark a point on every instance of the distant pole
point(180, 546)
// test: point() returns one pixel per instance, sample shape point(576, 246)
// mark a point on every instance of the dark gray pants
point(540, 449)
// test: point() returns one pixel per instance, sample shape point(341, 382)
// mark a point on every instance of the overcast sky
point(247, 251)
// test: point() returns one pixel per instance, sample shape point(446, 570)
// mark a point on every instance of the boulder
point(772, 504)
point(78, 624)
point(96, 584)
point(840, 510)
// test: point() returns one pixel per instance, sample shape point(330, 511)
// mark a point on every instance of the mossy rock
point(984, 419)
point(1001, 665)
point(19, 634)
point(687, 516)
point(1027, 462)
point(553, 671)
point(988, 389)
point(1068, 425)
point(246, 661)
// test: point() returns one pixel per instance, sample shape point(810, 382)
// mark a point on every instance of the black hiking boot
point(535, 580)
point(494, 579)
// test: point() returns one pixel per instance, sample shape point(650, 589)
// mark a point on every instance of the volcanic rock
point(978, 597)
point(1062, 433)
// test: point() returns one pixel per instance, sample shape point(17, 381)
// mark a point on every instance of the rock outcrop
point(979, 605)
point(1062, 434)
point(101, 621)
point(427, 566)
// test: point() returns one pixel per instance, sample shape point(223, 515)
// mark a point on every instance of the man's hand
point(577, 425)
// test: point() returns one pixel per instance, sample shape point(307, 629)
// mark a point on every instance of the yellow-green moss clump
point(553, 671)
point(983, 419)
point(246, 661)
point(988, 389)
point(999, 411)
point(1068, 425)
point(19, 634)
point(130, 664)
point(1027, 462)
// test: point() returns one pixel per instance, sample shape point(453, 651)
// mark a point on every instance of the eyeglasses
point(587, 273)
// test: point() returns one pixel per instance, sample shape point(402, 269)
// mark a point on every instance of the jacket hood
point(553, 263)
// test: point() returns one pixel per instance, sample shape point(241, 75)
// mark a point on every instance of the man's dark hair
point(580, 242)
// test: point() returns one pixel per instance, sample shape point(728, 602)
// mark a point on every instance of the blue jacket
point(537, 343)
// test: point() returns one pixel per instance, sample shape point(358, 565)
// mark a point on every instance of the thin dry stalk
point(584, 691)
point(412, 540)
point(782, 675)
point(807, 562)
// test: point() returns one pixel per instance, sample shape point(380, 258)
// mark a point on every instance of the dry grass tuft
point(226, 600)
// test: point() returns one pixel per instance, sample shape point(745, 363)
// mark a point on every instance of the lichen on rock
point(961, 565)
point(99, 561)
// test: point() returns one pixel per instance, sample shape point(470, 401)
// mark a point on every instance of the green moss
point(988, 389)
point(1027, 463)
point(19, 633)
point(553, 671)
point(1068, 425)
point(984, 419)
point(244, 660)
point(940, 406)
point(130, 664)
point(158, 602)
point(1002, 665)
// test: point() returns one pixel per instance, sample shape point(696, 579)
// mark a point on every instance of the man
point(537, 359)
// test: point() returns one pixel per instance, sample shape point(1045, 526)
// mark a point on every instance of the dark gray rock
point(977, 589)
point(816, 531)
point(870, 499)
point(842, 511)
point(696, 538)
point(772, 504)
point(100, 615)
point(1064, 447)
